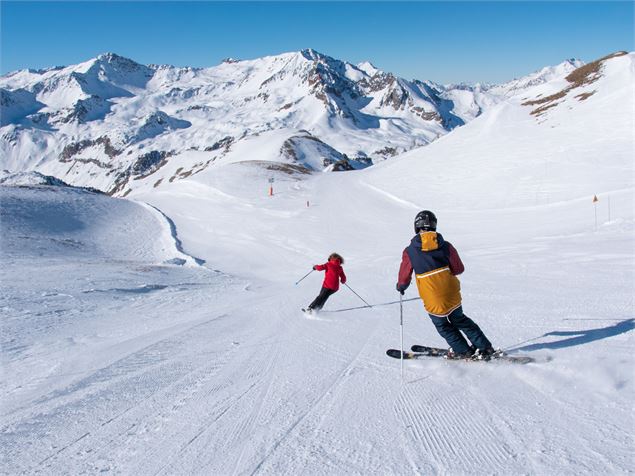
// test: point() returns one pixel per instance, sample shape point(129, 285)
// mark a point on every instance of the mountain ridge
point(112, 119)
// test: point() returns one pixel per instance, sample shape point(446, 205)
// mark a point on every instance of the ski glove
point(315, 268)
point(401, 288)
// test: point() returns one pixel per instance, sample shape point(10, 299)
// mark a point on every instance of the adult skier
point(334, 274)
point(436, 264)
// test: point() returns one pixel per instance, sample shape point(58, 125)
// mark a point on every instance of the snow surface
point(123, 354)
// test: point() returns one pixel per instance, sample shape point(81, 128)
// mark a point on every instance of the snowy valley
point(152, 324)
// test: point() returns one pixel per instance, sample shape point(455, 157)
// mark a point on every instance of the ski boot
point(451, 355)
point(486, 354)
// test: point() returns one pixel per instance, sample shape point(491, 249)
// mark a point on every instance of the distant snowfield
point(116, 358)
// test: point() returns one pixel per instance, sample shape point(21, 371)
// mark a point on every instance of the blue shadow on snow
point(582, 336)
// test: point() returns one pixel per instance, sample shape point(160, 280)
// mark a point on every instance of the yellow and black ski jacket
point(436, 264)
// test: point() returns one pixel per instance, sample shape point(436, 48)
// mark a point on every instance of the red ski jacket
point(334, 274)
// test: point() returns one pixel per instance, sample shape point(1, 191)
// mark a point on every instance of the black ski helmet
point(426, 221)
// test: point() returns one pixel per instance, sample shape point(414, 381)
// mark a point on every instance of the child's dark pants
point(319, 301)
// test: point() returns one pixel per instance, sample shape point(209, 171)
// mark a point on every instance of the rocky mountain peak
point(313, 55)
point(369, 68)
point(118, 69)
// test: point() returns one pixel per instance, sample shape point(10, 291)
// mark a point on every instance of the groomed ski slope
point(562, 296)
point(122, 363)
point(144, 368)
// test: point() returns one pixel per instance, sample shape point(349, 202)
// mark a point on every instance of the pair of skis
point(422, 352)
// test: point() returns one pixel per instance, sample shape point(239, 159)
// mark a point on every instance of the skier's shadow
point(582, 336)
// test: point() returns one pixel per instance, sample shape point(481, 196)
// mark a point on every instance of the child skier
point(436, 264)
point(334, 274)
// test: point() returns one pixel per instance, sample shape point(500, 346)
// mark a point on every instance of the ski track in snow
point(326, 399)
point(459, 416)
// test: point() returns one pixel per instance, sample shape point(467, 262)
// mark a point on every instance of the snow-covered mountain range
point(114, 124)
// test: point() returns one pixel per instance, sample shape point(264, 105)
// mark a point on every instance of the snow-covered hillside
point(113, 124)
point(561, 140)
point(43, 220)
point(117, 359)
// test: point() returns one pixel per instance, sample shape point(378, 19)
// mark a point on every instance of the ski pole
point(367, 305)
point(304, 276)
point(401, 327)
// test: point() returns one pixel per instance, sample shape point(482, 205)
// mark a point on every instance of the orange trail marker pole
point(595, 210)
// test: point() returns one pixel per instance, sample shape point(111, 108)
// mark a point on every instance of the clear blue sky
point(445, 41)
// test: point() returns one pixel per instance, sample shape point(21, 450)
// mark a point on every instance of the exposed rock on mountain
point(577, 79)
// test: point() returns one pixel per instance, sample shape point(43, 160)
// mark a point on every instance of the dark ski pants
point(450, 328)
point(318, 302)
